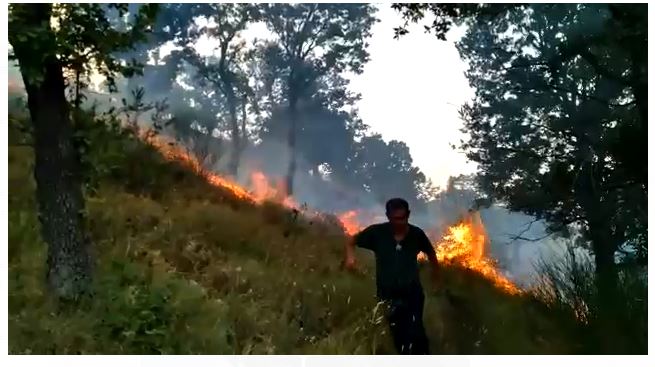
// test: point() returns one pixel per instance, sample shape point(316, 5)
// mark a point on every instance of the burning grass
point(463, 244)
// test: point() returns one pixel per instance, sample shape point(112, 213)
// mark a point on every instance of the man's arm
point(350, 261)
point(364, 239)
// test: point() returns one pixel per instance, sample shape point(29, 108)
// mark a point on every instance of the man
point(396, 245)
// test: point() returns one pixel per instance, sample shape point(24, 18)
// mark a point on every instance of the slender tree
point(312, 40)
point(226, 22)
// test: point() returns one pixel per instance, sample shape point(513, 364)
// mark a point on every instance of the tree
point(313, 39)
point(325, 135)
point(446, 15)
point(172, 25)
point(225, 72)
point(558, 125)
point(385, 170)
point(81, 35)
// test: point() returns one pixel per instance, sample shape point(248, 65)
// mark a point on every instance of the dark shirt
point(396, 264)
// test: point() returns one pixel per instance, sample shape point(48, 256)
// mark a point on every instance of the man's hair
point(395, 204)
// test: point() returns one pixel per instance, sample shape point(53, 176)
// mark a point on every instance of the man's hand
point(350, 262)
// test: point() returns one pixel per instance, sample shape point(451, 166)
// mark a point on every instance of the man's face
point(399, 218)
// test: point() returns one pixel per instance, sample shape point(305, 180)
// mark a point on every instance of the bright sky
point(411, 91)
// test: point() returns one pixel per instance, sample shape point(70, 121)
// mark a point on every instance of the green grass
point(185, 268)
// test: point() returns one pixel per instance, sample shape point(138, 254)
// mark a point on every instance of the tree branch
point(586, 96)
point(517, 238)
point(600, 69)
point(525, 152)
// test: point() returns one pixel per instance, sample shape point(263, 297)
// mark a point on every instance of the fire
point(261, 188)
point(174, 152)
point(464, 245)
point(349, 222)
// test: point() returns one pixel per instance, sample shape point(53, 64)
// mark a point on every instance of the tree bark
point(293, 116)
point(56, 171)
point(78, 97)
point(234, 123)
point(604, 250)
point(604, 242)
point(244, 133)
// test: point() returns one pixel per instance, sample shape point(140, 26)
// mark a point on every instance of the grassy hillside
point(184, 267)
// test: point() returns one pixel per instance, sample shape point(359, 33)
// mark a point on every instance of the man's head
point(397, 212)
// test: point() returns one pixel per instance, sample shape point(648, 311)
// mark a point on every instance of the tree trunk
point(293, 100)
point(78, 97)
point(603, 240)
point(244, 133)
point(604, 249)
point(234, 124)
point(56, 171)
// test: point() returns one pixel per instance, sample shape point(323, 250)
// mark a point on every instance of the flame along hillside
point(463, 244)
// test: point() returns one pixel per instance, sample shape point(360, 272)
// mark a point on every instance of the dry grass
point(186, 268)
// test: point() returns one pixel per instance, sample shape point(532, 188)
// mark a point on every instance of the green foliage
point(386, 169)
point(544, 122)
point(445, 15)
point(557, 126)
point(81, 37)
point(340, 30)
point(568, 288)
point(316, 44)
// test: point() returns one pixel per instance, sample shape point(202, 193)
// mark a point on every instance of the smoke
point(318, 190)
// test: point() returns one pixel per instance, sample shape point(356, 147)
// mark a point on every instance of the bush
point(568, 287)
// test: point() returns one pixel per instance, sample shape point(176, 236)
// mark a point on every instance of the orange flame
point(261, 188)
point(464, 244)
point(349, 222)
point(171, 151)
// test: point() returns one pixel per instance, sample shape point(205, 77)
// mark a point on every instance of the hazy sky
point(411, 90)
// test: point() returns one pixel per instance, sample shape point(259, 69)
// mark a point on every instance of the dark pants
point(405, 317)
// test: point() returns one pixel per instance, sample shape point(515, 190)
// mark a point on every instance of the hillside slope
point(184, 267)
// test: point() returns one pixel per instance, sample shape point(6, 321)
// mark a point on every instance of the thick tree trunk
point(59, 193)
point(604, 249)
point(293, 116)
point(604, 242)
